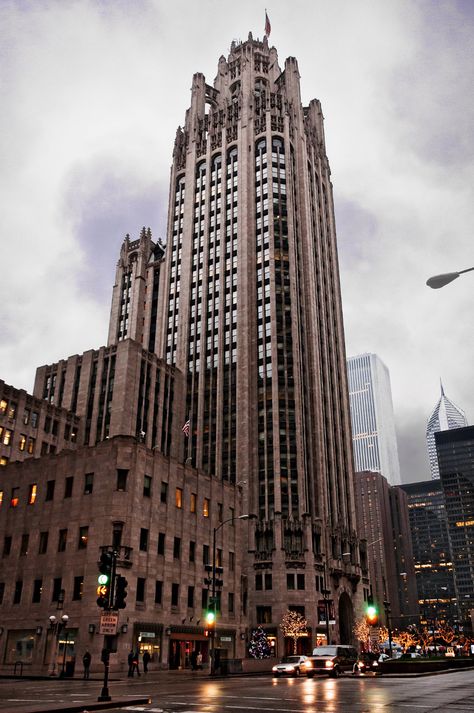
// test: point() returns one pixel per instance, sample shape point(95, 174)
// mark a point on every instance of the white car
point(290, 666)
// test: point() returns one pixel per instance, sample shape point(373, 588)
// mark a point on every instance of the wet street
point(447, 693)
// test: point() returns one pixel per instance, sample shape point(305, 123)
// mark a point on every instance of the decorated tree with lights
point(259, 646)
point(362, 632)
point(294, 626)
point(405, 639)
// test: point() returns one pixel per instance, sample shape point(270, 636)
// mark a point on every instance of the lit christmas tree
point(293, 626)
point(259, 646)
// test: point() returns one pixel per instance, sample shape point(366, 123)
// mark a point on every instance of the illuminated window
point(1, 497)
point(83, 537)
point(7, 437)
point(179, 498)
point(22, 443)
point(3, 405)
point(205, 507)
point(31, 445)
point(32, 493)
point(192, 506)
point(14, 499)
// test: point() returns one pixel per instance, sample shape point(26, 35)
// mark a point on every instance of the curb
point(86, 706)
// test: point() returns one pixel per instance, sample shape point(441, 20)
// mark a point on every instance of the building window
point(62, 539)
point(300, 584)
point(259, 582)
point(88, 483)
point(3, 406)
point(179, 497)
point(34, 419)
point(117, 532)
point(161, 543)
point(50, 489)
point(268, 582)
point(141, 581)
point(22, 442)
point(147, 486)
point(204, 598)
point(78, 587)
point(290, 581)
point(190, 597)
point(164, 492)
point(220, 512)
point(192, 505)
point(205, 554)
point(83, 537)
point(231, 602)
point(158, 591)
point(177, 548)
point(32, 493)
point(57, 589)
point(7, 545)
point(37, 591)
point(31, 445)
point(122, 474)
point(68, 483)
point(24, 545)
point(231, 561)
point(192, 551)
point(18, 591)
point(14, 500)
point(205, 507)
point(143, 539)
point(264, 615)
point(7, 436)
point(2, 591)
point(174, 594)
point(43, 543)
point(1, 497)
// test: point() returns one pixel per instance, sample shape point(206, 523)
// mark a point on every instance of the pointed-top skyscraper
point(445, 416)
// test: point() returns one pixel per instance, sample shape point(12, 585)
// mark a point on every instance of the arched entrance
point(346, 619)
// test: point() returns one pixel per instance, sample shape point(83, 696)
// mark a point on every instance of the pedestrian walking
point(199, 661)
point(86, 662)
point(135, 660)
point(130, 664)
point(146, 661)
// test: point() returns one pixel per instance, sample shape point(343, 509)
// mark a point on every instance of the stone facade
point(157, 511)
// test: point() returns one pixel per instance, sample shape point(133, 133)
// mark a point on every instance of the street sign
point(108, 624)
point(147, 634)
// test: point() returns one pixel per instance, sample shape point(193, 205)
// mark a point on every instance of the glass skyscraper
point(373, 425)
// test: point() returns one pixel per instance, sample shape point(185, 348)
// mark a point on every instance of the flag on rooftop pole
point(268, 27)
point(185, 429)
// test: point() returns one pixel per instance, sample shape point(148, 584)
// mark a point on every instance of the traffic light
point(104, 579)
point(120, 592)
point(210, 619)
point(372, 615)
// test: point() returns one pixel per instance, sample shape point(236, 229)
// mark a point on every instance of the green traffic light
point(210, 618)
point(103, 579)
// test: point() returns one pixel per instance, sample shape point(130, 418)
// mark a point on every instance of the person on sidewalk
point(135, 659)
point(130, 664)
point(86, 662)
point(199, 661)
point(146, 661)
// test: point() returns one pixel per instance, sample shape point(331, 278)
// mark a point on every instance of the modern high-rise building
point(234, 330)
point(455, 449)
point(445, 416)
point(382, 516)
point(431, 550)
point(374, 437)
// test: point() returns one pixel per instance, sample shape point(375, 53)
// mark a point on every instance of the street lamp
point(213, 607)
point(56, 626)
point(438, 281)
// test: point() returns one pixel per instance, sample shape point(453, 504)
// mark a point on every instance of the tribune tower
point(252, 317)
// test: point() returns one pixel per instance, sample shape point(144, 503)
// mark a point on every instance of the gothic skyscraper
point(253, 317)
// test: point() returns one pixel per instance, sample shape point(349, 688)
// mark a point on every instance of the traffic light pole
point(212, 630)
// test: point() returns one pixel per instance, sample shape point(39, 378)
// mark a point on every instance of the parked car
point(367, 662)
point(331, 660)
point(290, 666)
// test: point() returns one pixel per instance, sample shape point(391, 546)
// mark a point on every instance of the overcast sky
point(91, 94)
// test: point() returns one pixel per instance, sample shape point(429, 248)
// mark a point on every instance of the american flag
point(185, 429)
point(268, 27)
